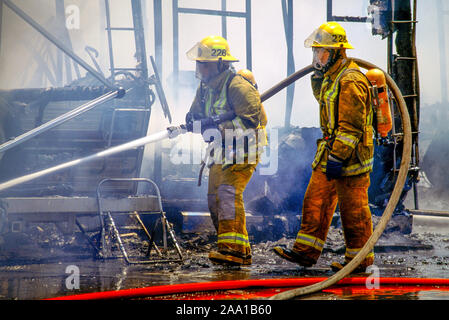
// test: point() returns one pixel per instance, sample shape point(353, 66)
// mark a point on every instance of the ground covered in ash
point(396, 253)
point(33, 265)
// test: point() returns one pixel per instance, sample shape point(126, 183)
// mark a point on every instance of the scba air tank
point(381, 104)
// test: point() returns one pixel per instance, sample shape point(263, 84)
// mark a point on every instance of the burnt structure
point(103, 112)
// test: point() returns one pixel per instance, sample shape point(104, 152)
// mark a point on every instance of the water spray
point(162, 135)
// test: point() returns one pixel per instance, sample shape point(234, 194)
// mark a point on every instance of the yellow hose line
point(402, 176)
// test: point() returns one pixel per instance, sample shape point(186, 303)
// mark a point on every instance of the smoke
point(268, 42)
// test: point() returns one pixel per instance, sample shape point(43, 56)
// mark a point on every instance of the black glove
point(205, 123)
point(208, 123)
point(317, 74)
point(334, 168)
point(190, 118)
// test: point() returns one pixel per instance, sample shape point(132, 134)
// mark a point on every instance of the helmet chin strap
point(223, 65)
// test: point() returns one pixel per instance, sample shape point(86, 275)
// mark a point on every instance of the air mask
point(321, 59)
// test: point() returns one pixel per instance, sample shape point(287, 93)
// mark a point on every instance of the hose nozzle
point(175, 131)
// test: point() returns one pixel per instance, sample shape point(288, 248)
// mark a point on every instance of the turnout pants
point(320, 201)
point(225, 200)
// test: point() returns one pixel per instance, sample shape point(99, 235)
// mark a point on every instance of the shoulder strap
point(227, 89)
point(202, 96)
point(336, 106)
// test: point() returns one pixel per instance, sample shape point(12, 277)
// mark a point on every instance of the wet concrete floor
point(397, 255)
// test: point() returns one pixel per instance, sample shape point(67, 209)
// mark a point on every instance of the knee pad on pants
point(226, 205)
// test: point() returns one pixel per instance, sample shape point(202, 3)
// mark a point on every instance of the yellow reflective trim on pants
point(310, 241)
point(351, 253)
point(233, 238)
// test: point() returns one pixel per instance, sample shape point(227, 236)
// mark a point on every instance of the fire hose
point(241, 285)
point(394, 198)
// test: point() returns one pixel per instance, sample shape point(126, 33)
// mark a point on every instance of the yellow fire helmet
point(328, 35)
point(210, 49)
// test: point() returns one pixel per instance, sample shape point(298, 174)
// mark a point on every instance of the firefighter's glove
point(333, 168)
point(189, 122)
point(208, 123)
point(190, 118)
point(317, 74)
point(189, 126)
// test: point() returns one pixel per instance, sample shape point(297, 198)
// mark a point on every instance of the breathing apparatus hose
point(394, 198)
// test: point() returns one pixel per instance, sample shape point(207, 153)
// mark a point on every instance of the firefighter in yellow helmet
point(227, 111)
point(344, 156)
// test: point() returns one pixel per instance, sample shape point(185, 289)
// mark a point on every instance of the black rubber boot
point(228, 259)
point(337, 266)
point(293, 256)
